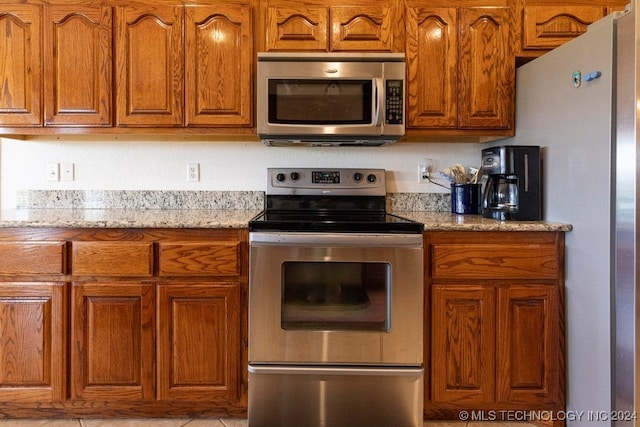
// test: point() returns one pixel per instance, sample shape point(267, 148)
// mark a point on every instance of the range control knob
point(295, 176)
point(280, 177)
point(357, 177)
point(371, 178)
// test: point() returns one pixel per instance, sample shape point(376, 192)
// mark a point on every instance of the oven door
point(343, 298)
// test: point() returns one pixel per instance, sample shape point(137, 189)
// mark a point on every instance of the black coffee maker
point(511, 183)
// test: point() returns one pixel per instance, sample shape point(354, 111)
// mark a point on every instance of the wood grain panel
point(299, 28)
point(493, 261)
point(463, 337)
point(199, 333)
point(18, 258)
point(112, 259)
point(432, 67)
point(487, 69)
point(219, 61)
point(199, 259)
point(527, 344)
point(78, 65)
point(361, 28)
point(112, 341)
point(546, 27)
point(149, 65)
point(20, 65)
point(32, 342)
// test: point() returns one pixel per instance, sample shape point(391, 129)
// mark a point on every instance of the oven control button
point(280, 177)
point(357, 177)
point(371, 178)
point(294, 176)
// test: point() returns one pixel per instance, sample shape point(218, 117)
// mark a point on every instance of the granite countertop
point(217, 209)
point(221, 218)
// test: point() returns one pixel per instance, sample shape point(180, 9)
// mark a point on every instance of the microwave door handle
point(377, 84)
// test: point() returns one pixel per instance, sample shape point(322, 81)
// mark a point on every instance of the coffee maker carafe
point(511, 183)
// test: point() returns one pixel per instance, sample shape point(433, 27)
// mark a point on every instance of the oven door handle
point(347, 370)
point(336, 239)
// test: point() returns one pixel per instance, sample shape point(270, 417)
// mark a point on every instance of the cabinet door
point(150, 65)
point(199, 342)
point(32, 342)
point(463, 339)
point(529, 358)
point(361, 28)
point(78, 65)
point(20, 65)
point(297, 28)
point(112, 341)
point(487, 69)
point(219, 58)
point(432, 61)
point(547, 27)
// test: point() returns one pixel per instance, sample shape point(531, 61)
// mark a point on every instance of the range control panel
point(329, 181)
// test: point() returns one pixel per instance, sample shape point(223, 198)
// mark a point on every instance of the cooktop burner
point(329, 200)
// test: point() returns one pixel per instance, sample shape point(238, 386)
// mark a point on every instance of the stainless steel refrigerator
point(580, 103)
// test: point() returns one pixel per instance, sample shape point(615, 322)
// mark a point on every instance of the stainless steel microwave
point(330, 98)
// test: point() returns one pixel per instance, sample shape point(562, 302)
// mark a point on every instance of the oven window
point(320, 102)
point(336, 295)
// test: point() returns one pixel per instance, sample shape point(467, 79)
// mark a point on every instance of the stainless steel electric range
point(335, 304)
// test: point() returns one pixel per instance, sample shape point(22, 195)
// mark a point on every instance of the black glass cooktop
point(341, 222)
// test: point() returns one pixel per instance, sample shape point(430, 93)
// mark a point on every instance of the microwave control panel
point(394, 107)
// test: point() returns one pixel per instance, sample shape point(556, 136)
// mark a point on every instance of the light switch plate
point(67, 172)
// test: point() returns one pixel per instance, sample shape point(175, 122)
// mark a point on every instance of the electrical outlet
point(193, 172)
point(424, 171)
point(53, 171)
point(67, 172)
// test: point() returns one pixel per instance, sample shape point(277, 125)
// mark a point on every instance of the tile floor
point(211, 422)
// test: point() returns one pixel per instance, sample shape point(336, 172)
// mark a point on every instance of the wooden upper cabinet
point(77, 52)
point(299, 28)
point(219, 62)
point(325, 28)
point(20, 65)
point(548, 27)
point(361, 28)
point(149, 65)
point(432, 67)
point(461, 73)
point(546, 24)
point(487, 69)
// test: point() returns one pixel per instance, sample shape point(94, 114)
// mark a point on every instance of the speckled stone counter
point(445, 221)
point(218, 218)
point(126, 218)
point(217, 209)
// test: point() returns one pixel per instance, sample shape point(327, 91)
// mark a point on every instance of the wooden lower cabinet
point(494, 318)
point(112, 341)
point(123, 323)
point(32, 342)
point(199, 342)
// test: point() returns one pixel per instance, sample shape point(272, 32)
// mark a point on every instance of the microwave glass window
point(330, 296)
point(320, 102)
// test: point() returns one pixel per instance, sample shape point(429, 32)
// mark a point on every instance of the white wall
point(142, 163)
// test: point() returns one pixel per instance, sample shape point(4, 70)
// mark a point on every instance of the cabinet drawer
point(32, 258)
point(199, 259)
point(112, 258)
point(490, 261)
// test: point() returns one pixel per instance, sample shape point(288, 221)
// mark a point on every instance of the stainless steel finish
point(269, 343)
point(335, 397)
point(626, 322)
point(303, 183)
point(330, 66)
